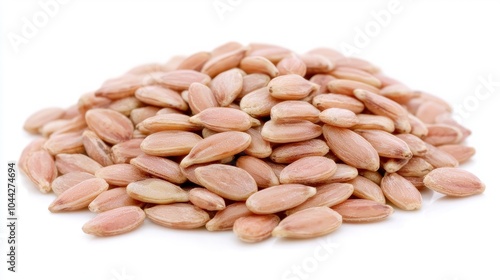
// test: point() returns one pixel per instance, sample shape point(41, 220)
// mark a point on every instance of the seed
point(326, 195)
point(428, 111)
point(393, 165)
point(109, 125)
point(120, 174)
point(293, 110)
point(341, 139)
point(182, 79)
point(262, 173)
point(160, 167)
point(338, 117)
point(224, 219)
point(291, 87)
point(255, 228)
point(416, 167)
point(258, 103)
point(317, 63)
point(453, 182)
point(290, 195)
point(459, 152)
point(442, 134)
point(161, 97)
point(227, 181)
point(200, 98)
point(117, 221)
point(291, 152)
point(164, 122)
point(41, 170)
point(66, 163)
point(224, 119)
point(386, 144)
point(401, 192)
point(177, 216)
point(271, 52)
point(333, 100)
point(258, 147)
point(308, 170)
point(156, 191)
point(223, 62)
point(438, 158)
point(417, 146)
point(70, 143)
point(194, 61)
point(374, 122)
point(418, 128)
point(32, 147)
point(170, 143)
point(344, 173)
point(373, 176)
point(68, 180)
point(308, 223)
point(292, 65)
point(34, 122)
point(253, 82)
point(96, 149)
point(366, 189)
point(322, 81)
point(398, 92)
point(362, 211)
point(258, 64)
point(357, 63)
point(120, 87)
point(347, 87)
point(79, 196)
point(358, 75)
point(217, 147)
point(227, 86)
point(125, 105)
point(111, 199)
point(290, 132)
point(206, 199)
point(125, 151)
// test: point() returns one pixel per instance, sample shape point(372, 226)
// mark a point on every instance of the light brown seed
point(439, 158)
point(182, 79)
point(262, 173)
point(68, 180)
point(117, 221)
point(164, 122)
point(416, 167)
point(111, 199)
point(292, 65)
point(120, 87)
point(125, 151)
point(393, 165)
point(255, 228)
point(362, 211)
point(366, 189)
point(326, 195)
point(200, 98)
point(258, 147)
point(386, 81)
point(460, 152)
point(272, 52)
point(223, 62)
point(453, 182)
point(322, 81)
point(156, 191)
point(398, 92)
point(373, 176)
point(442, 134)
point(258, 103)
point(224, 119)
point(125, 105)
point(447, 119)
point(69, 143)
point(96, 149)
point(41, 170)
point(383, 106)
point(253, 82)
point(290, 132)
point(294, 110)
point(160, 96)
point(290, 195)
point(170, 143)
point(338, 117)
point(332, 100)
point(226, 48)
point(317, 63)
point(386, 144)
point(291, 87)
point(291, 152)
point(401, 192)
point(258, 64)
point(308, 170)
point(309, 223)
point(160, 167)
point(120, 174)
point(224, 219)
point(90, 101)
point(32, 147)
point(177, 216)
point(347, 87)
point(227, 86)
point(428, 111)
point(340, 141)
point(66, 163)
point(344, 173)
point(195, 61)
point(366, 121)
point(331, 54)
point(358, 75)
point(418, 127)
point(38, 119)
point(418, 182)
point(206, 199)
point(217, 147)
point(227, 181)
point(79, 196)
point(109, 125)
point(417, 146)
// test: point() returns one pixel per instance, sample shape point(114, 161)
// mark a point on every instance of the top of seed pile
point(257, 139)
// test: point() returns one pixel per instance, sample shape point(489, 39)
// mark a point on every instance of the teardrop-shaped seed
point(309, 223)
point(255, 228)
point(292, 65)
point(195, 61)
point(442, 134)
point(338, 117)
point(326, 195)
point(223, 62)
point(416, 167)
point(294, 110)
point(386, 144)
point(227, 181)
point(460, 152)
point(258, 64)
point(291, 152)
point(279, 198)
point(96, 149)
point(38, 119)
point(170, 143)
point(68, 180)
point(200, 98)
point(33, 146)
point(66, 163)
point(160, 167)
point(344, 173)
point(308, 170)
point(224, 119)
point(206, 199)
point(258, 147)
point(439, 158)
point(79, 196)
point(70, 143)
point(121, 174)
point(401, 192)
point(291, 87)
point(109, 125)
point(227, 86)
point(347, 87)
point(177, 216)
point(216, 147)
point(111, 199)
point(366, 189)
point(417, 146)
point(366, 121)
point(362, 211)
point(161, 97)
point(262, 173)
point(116, 221)
point(290, 132)
point(358, 75)
point(224, 219)
point(454, 182)
point(156, 191)
point(125, 151)
point(41, 170)
point(333, 100)
point(164, 122)
point(182, 79)
point(253, 82)
point(258, 103)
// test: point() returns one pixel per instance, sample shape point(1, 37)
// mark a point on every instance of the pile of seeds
point(257, 139)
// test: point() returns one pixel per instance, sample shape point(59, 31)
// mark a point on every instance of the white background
point(443, 47)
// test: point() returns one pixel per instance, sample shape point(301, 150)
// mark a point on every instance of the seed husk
point(222, 119)
point(308, 223)
point(41, 170)
point(417, 146)
point(170, 143)
point(258, 103)
point(38, 119)
point(200, 98)
point(226, 86)
point(66, 163)
point(308, 170)
point(109, 125)
point(96, 149)
point(111, 199)
point(290, 132)
point(334, 100)
point(279, 198)
point(68, 180)
point(79, 196)
point(262, 173)
point(69, 143)
point(453, 182)
point(344, 173)
point(160, 167)
point(401, 192)
point(386, 144)
point(164, 122)
point(177, 216)
point(255, 228)
point(32, 147)
point(294, 110)
point(206, 199)
point(258, 64)
point(116, 221)
point(291, 152)
point(338, 117)
point(181, 79)
point(156, 191)
point(291, 87)
point(366, 121)
point(362, 211)
point(160, 96)
point(367, 189)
